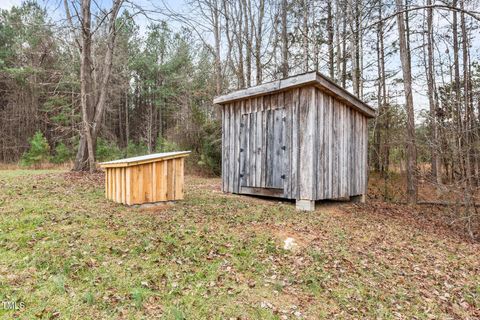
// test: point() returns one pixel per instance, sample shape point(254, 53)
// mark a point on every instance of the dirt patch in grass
point(302, 237)
point(66, 252)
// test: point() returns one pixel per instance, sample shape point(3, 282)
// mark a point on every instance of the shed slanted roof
point(311, 78)
point(144, 159)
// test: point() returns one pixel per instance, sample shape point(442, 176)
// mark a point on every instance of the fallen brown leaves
point(85, 178)
point(220, 255)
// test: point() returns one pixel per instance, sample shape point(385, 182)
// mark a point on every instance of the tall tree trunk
point(469, 117)
point(127, 124)
point(407, 83)
point(459, 132)
point(248, 41)
point(432, 99)
point(354, 21)
point(337, 41)
point(359, 18)
point(93, 93)
point(379, 128)
point(284, 39)
point(344, 44)
point(385, 145)
point(238, 30)
point(215, 16)
point(330, 32)
point(305, 35)
point(258, 41)
point(85, 159)
point(316, 41)
point(469, 153)
point(229, 60)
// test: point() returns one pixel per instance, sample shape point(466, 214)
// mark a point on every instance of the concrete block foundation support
point(305, 205)
point(359, 199)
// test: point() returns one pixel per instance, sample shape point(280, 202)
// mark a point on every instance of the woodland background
point(158, 67)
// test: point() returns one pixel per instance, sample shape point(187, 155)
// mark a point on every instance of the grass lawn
point(67, 253)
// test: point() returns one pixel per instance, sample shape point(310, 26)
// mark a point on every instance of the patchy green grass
point(66, 252)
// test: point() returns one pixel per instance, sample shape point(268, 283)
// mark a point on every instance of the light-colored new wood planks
point(144, 183)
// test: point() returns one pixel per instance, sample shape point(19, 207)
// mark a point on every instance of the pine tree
point(38, 152)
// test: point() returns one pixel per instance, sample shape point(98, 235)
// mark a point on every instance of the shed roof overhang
point(311, 78)
point(149, 158)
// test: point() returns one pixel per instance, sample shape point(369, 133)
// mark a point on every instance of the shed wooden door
point(262, 149)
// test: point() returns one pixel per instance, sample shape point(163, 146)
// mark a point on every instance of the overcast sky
point(7, 4)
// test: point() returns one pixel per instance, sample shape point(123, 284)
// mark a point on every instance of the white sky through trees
point(442, 21)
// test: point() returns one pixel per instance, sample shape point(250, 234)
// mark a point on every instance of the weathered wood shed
point(302, 138)
point(144, 179)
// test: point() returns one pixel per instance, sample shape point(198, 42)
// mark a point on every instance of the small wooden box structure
point(151, 178)
point(302, 138)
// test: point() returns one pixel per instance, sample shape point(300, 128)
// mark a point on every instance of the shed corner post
point(224, 152)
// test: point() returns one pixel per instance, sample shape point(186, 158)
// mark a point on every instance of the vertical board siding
point(251, 157)
point(179, 168)
point(140, 183)
point(247, 149)
point(118, 186)
point(358, 143)
point(163, 184)
point(123, 175)
point(335, 119)
point(287, 160)
point(170, 179)
point(107, 185)
point(236, 144)
point(233, 145)
point(276, 131)
point(262, 141)
point(226, 148)
point(243, 139)
point(365, 155)
point(147, 181)
point(260, 147)
point(224, 155)
point(331, 149)
point(351, 152)
point(307, 117)
point(341, 156)
point(246, 178)
point(320, 143)
point(280, 126)
point(341, 149)
point(128, 187)
point(151, 182)
point(133, 183)
point(253, 147)
point(269, 146)
point(314, 143)
point(324, 154)
point(157, 179)
point(327, 140)
point(295, 150)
